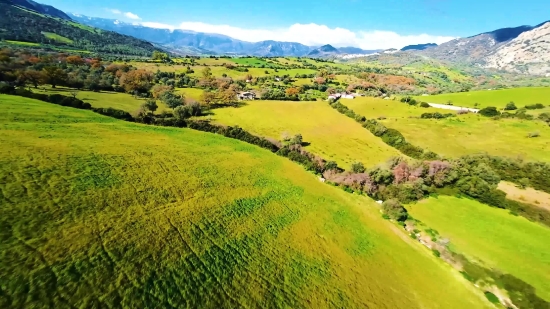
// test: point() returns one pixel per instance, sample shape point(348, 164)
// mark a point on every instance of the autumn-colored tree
point(320, 80)
point(207, 98)
point(75, 60)
point(401, 172)
point(292, 91)
point(228, 96)
point(34, 77)
point(53, 76)
point(159, 90)
point(137, 80)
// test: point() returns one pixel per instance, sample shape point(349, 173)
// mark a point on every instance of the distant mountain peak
point(419, 46)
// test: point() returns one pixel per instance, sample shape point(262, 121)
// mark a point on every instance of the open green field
point(97, 212)
point(104, 99)
point(332, 136)
point(471, 134)
point(497, 98)
point(254, 62)
point(461, 135)
point(374, 108)
point(57, 38)
point(498, 239)
point(193, 93)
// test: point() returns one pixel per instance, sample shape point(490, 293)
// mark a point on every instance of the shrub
point(535, 106)
point(490, 111)
point(424, 104)
point(357, 167)
point(393, 209)
point(436, 253)
point(510, 106)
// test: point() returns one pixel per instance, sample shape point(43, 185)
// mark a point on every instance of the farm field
point(193, 93)
point(471, 134)
point(373, 108)
point(104, 99)
point(101, 212)
point(498, 98)
point(461, 135)
point(527, 195)
point(498, 239)
point(332, 136)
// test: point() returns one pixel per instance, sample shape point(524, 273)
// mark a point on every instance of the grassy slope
point(332, 136)
point(497, 98)
point(462, 135)
point(528, 195)
point(511, 244)
point(104, 99)
point(99, 211)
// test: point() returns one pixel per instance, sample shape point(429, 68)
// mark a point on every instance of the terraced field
point(457, 136)
point(492, 237)
point(332, 136)
point(97, 212)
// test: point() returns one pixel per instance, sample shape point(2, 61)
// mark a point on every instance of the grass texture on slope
point(492, 236)
point(332, 136)
point(100, 212)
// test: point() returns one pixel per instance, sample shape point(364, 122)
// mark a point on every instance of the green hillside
point(23, 25)
point(493, 237)
point(97, 212)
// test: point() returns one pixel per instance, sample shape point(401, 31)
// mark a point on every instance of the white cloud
point(127, 14)
point(313, 34)
point(131, 15)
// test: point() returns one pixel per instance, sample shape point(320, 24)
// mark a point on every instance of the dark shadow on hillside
point(234, 105)
point(305, 144)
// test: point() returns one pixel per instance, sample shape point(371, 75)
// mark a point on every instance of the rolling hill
point(105, 213)
point(24, 25)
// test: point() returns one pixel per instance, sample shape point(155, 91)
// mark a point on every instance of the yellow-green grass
point(498, 98)
point(461, 135)
point(22, 43)
point(289, 61)
point(527, 195)
point(212, 61)
point(332, 136)
point(302, 81)
point(100, 212)
point(473, 134)
point(375, 108)
point(103, 99)
point(193, 93)
point(255, 62)
point(57, 37)
point(498, 239)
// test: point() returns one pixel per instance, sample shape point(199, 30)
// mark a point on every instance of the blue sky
point(368, 24)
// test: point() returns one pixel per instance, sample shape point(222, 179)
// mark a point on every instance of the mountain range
point(519, 49)
point(524, 49)
point(197, 43)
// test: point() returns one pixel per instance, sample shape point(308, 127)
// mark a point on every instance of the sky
point(360, 23)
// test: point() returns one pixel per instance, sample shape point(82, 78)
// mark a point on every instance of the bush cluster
point(436, 115)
